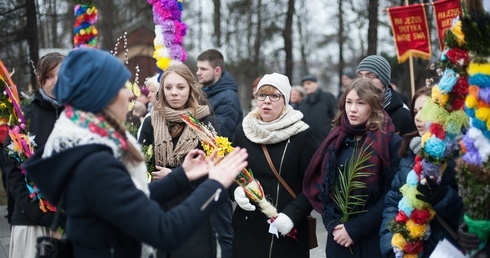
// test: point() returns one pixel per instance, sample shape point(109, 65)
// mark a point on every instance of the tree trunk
point(107, 24)
point(31, 36)
point(217, 22)
point(258, 39)
point(303, 38)
point(373, 27)
point(341, 44)
point(288, 41)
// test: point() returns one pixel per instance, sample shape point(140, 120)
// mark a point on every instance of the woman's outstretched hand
point(196, 165)
point(229, 167)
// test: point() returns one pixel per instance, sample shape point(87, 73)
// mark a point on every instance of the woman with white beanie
point(289, 141)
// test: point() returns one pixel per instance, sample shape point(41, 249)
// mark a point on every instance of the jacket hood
point(41, 101)
point(225, 82)
point(52, 174)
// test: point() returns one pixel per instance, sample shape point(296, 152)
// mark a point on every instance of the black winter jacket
point(41, 116)
point(449, 208)
point(319, 110)
point(107, 215)
point(400, 115)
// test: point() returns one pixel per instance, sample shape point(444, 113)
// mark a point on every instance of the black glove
point(467, 240)
point(431, 192)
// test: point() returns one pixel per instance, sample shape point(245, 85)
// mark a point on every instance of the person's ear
point(218, 70)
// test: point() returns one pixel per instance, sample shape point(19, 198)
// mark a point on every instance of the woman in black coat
point(290, 144)
point(359, 124)
point(29, 218)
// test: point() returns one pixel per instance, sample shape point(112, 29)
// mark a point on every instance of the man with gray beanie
point(378, 69)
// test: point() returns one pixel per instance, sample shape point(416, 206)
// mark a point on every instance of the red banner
point(445, 11)
point(411, 32)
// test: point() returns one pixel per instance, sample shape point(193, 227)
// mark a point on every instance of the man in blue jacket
point(221, 90)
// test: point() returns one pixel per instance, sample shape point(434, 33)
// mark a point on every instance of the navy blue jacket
point(449, 208)
point(225, 102)
point(107, 215)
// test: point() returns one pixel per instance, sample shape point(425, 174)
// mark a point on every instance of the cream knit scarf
point(287, 125)
point(165, 153)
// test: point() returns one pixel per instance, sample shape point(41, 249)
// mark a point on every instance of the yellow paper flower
point(398, 241)
point(482, 113)
point(425, 137)
point(439, 97)
point(458, 32)
point(474, 68)
point(415, 230)
point(471, 102)
point(411, 256)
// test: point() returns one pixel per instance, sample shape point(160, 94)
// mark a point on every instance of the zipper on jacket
point(214, 197)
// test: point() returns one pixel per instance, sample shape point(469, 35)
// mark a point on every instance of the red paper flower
point(413, 247)
point(458, 102)
point(401, 217)
point(461, 87)
point(437, 130)
point(458, 57)
point(418, 166)
point(420, 216)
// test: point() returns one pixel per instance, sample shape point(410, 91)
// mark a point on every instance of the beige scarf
point(165, 153)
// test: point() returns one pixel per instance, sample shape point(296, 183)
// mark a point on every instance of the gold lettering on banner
point(403, 37)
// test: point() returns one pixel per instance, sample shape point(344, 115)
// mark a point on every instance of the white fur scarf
point(66, 134)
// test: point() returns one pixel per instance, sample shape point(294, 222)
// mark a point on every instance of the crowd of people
point(300, 142)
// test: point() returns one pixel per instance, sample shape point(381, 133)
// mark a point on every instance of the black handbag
point(51, 247)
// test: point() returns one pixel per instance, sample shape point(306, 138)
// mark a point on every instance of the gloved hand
point(431, 192)
point(283, 224)
point(467, 240)
point(242, 200)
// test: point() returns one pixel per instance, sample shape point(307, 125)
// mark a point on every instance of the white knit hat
point(279, 81)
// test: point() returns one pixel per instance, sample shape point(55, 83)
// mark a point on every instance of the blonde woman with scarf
point(172, 139)
point(94, 165)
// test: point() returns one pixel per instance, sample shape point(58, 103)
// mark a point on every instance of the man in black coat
point(378, 70)
point(318, 108)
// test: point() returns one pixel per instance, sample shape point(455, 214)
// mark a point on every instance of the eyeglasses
point(367, 75)
point(273, 97)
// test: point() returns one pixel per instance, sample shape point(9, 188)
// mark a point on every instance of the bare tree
point(288, 40)
point(217, 22)
point(373, 27)
point(31, 35)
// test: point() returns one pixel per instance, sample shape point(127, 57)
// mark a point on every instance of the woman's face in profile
point(358, 111)
point(176, 90)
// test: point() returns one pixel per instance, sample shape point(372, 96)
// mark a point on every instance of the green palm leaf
point(349, 182)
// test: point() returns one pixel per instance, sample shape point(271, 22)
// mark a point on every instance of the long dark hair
point(409, 136)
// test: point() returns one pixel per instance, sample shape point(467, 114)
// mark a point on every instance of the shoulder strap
point(54, 222)
point(276, 173)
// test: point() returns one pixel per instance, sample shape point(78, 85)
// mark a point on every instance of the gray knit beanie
point(377, 65)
